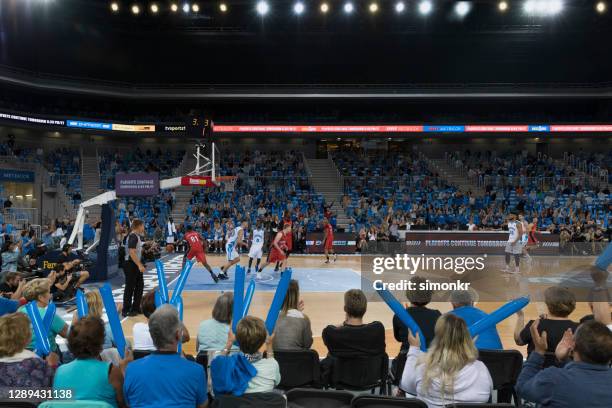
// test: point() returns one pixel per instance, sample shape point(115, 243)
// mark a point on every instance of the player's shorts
point(230, 252)
point(199, 255)
point(256, 252)
point(276, 256)
point(514, 248)
point(524, 240)
point(329, 244)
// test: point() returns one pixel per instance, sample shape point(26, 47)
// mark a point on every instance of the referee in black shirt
point(133, 269)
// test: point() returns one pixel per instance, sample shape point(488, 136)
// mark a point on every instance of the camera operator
point(72, 264)
point(65, 284)
point(12, 286)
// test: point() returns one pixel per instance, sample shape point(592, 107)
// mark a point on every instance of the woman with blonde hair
point(449, 372)
point(21, 368)
point(39, 290)
point(95, 307)
point(293, 326)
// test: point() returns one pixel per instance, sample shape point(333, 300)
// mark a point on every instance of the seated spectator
point(72, 265)
point(40, 291)
point(450, 370)
point(425, 318)
point(463, 306)
point(584, 382)
point(293, 331)
point(140, 332)
point(8, 306)
point(353, 337)
point(21, 368)
point(560, 303)
point(87, 376)
point(10, 257)
point(250, 371)
point(12, 288)
point(164, 378)
point(212, 334)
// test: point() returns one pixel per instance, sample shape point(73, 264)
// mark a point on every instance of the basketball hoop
point(228, 182)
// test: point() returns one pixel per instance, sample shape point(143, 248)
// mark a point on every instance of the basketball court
point(322, 287)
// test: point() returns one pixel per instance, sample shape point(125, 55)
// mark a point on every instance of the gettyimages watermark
point(393, 267)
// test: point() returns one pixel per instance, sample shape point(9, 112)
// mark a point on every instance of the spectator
point(424, 317)
point(10, 257)
point(12, 288)
point(263, 374)
point(463, 306)
point(293, 331)
point(21, 368)
point(353, 337)
point(560, 303)
point(450, 370)
point(95, 308)
point(140, 331)
point(585, 382)
point(164, 378)
point(39, 290)
point(212, 334)
point(87, 376)
point(71, 264)
point(8, 306)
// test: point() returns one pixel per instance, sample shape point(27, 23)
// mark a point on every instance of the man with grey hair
point(165, 378)
point(463, 306)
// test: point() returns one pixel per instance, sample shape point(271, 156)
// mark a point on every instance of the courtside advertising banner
point(461, 243)
point(136, 184)
point(344, 243)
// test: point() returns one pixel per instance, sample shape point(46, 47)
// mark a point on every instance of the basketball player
point(328, 240)
point(218, 237)
point(277, 249)
point(234, 239)
point(532, 240)
point(513, 246)
point(289, 242)
point(524, 236)
point(196, 250)
point(256, 250)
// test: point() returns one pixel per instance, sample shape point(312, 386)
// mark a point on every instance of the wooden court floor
point(327, 308)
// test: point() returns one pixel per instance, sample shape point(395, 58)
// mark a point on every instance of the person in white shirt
point(234, 239)
point(256, 250)
point(514, 248)
point(170, 231)
point(449, 372)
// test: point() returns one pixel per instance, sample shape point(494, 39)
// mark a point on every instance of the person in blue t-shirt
point(463, 306)
point(164, 378)
point(8, 306)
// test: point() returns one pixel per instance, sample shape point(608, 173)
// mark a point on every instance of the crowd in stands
point(568, 362)
point(391, 191)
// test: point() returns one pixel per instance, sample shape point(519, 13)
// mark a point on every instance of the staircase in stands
point(454, 176)
point(326, 180)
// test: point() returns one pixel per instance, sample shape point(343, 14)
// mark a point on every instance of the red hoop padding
point(202, 181)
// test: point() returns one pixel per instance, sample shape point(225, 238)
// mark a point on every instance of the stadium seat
point(311, 398)
point(504, 367)
point(360, 373)
point(477, 405)
point(298, 369)
point(75, 404)
point(371, 401)
point(141, 353)
point(254, 400)
point(17, 404)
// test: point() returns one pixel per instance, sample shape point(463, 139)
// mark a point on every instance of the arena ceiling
point(81, 46)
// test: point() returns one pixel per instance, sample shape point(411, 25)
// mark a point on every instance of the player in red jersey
point(328, 240)
point(278, 249)
point(289, 242)
point(196, 250)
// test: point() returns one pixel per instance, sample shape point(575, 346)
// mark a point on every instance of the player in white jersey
point(234, 239)
point(514, 248)
point(524, 236)
point(218, 237)
point(256, 250)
